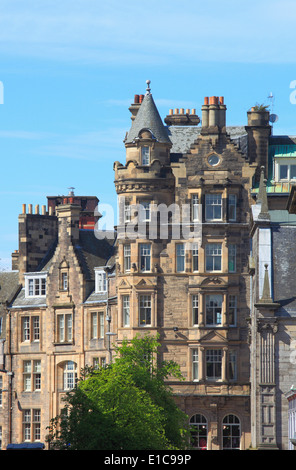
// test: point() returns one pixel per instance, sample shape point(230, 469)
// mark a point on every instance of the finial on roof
point(148, 89)
point(266, 297)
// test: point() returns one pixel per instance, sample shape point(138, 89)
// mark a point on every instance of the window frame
point(30, 332)
point(145, 257)
point(232, 205)
point(216, 364)
point(145, 311)
point(211, 206)
point(65, 333)
point(97, 324)
point(180, 257)
point(232, 257)
point(214, 313)
point(145, 155)
point(32, 375)
point(125, 302)
point(35, 285)
point(212, 258)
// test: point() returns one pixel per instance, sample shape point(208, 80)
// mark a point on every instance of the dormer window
point(145, 155)
point(285, 169)
point(101, 281)
point(35, 285)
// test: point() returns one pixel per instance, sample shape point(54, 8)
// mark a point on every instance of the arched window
point(199, 432)
point(69, 375)
point(231, 432)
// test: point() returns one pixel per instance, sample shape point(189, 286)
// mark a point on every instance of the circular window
point(213, 160)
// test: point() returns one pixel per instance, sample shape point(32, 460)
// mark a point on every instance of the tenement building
point(203, 258)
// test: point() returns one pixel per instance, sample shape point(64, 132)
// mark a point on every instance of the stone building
point(59, 314)
point(202, 258)
point(191, 286)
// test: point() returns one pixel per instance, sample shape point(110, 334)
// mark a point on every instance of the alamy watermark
point(150, 221)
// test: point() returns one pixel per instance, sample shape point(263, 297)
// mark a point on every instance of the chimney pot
point(136, 99)
point(171, 112)
point(221, 99)
point(141, 97)
point(206, 100)
point(193, 111)
point(24, 208)
point(37, 209)
point(30, 208)
point(181, 111)
point(176, 111)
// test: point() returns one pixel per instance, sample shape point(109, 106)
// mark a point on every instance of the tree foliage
point(126, 405)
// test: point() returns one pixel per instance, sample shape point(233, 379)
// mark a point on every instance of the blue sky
point(70, 70)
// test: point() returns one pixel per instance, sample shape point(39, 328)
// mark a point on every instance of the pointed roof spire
point(262, 197)
point(148, 118)
point(266, 287)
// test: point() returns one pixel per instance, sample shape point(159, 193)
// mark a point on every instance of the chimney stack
point(213, 115)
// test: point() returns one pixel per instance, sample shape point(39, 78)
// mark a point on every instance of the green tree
point(126, 405)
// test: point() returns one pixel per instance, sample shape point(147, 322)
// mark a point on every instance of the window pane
point(292, 172)
point(213, 207)
point(145, 264)
point(213, 257)
point(214, 309)
point(127, 257)
point(145, 310)
point(195, 309)
point(126, 310)
point(195, 257)
point(283, 172)
point(145, 155)
point(232, 258)
point(180, 254)
point(232, 207)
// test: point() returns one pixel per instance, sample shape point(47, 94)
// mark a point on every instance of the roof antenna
point(148, 89)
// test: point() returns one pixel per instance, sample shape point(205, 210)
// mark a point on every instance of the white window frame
point(30, 328)
point(69, 375)
point(213, 207)
point(35, 285)
point(194, 306)
point(214, 256)
point(195, 257)
point(289, 162)
point(195, 208)
point(101, 281)
point(97, 319)
point(127, 257)
point(195, 364)
point(180, 257)
point(64, 327)
point(145, 257)
point(32, 375)
point(145, 211)
point(126, 310)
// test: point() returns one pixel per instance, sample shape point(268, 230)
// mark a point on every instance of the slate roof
point(9, 282)
point(22, 301)
point(182, 137)
point(148, 118)
point(91, 252)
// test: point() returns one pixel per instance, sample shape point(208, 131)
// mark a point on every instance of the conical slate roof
point(148, 118)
